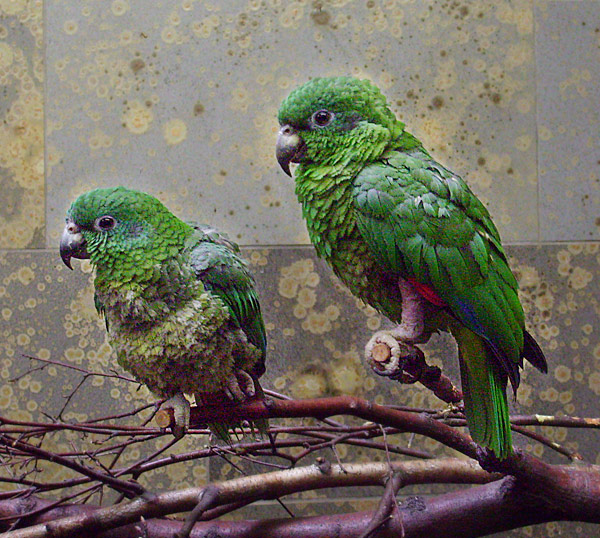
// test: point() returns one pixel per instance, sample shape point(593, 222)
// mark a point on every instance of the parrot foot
point(181, 414)
point(412, 323)
point(401, 361)
point(384, 348)
point(409, 332)
point(240, 387)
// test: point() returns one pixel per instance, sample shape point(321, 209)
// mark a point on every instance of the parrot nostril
point(72, 228)
point(286, 130)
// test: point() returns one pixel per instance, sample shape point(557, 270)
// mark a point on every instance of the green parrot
point(180, 306)
point(408, 237)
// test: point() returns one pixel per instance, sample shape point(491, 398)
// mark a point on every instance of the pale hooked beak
point(290, 148)
point(72, 244)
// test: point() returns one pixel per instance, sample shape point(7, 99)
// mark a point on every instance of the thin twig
point(561, 449)
point(205, 500)
point(388, 505)
point(81, 370)
point(131, 489)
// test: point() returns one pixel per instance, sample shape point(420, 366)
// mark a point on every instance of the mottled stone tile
point(559, 291)
point(22, 213)
point(554, 528)
point(317, 331)
point(181, 100)
point(568, 81)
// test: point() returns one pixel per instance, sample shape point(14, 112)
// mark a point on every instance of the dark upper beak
point(72, 244)
point(290, 148)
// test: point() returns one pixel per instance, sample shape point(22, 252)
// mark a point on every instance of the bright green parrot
point(180, 305)
point(408, 237)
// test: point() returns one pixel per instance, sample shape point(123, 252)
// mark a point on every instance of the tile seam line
point(301, 246)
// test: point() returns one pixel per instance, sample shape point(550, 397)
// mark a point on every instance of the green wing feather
point(216, 262)
point(423, 222)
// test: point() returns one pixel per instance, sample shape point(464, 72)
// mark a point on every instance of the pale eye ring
point(322, 118)
point(105, 223)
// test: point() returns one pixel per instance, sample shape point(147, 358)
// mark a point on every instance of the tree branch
point(257, 487)
point(534, 492)
point(340, 405)
point(568, 493)
point(412, 368)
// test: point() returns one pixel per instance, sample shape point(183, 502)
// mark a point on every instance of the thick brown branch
point(340, 405)
point(265, 486)
point(568, 493)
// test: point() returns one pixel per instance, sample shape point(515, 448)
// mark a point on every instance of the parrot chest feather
point(184, 346)
point(334, 232)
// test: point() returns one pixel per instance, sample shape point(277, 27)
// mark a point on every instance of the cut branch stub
point(164, 417)
point(381, 353)
point(412, 368)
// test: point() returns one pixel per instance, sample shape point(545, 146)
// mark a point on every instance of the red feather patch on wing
point(428, 293)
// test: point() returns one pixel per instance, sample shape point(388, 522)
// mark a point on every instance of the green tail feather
point(219, 429)
point(222, 429)
point(484, 390)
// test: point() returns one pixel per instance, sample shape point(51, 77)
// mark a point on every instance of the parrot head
point(120, 229)
point(326, 118)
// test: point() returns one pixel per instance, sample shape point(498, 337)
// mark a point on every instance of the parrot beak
point(290, 148)
point(72, 244)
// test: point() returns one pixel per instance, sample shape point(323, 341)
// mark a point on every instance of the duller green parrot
point(408, 237)
point(180, 305)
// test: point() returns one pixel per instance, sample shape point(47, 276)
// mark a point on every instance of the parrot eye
point(322, 118)
point(105, 223)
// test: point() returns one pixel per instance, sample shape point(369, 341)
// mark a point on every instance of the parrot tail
point(484, 390)
point(534, 354)
point(223, 430)
point(260, 424)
